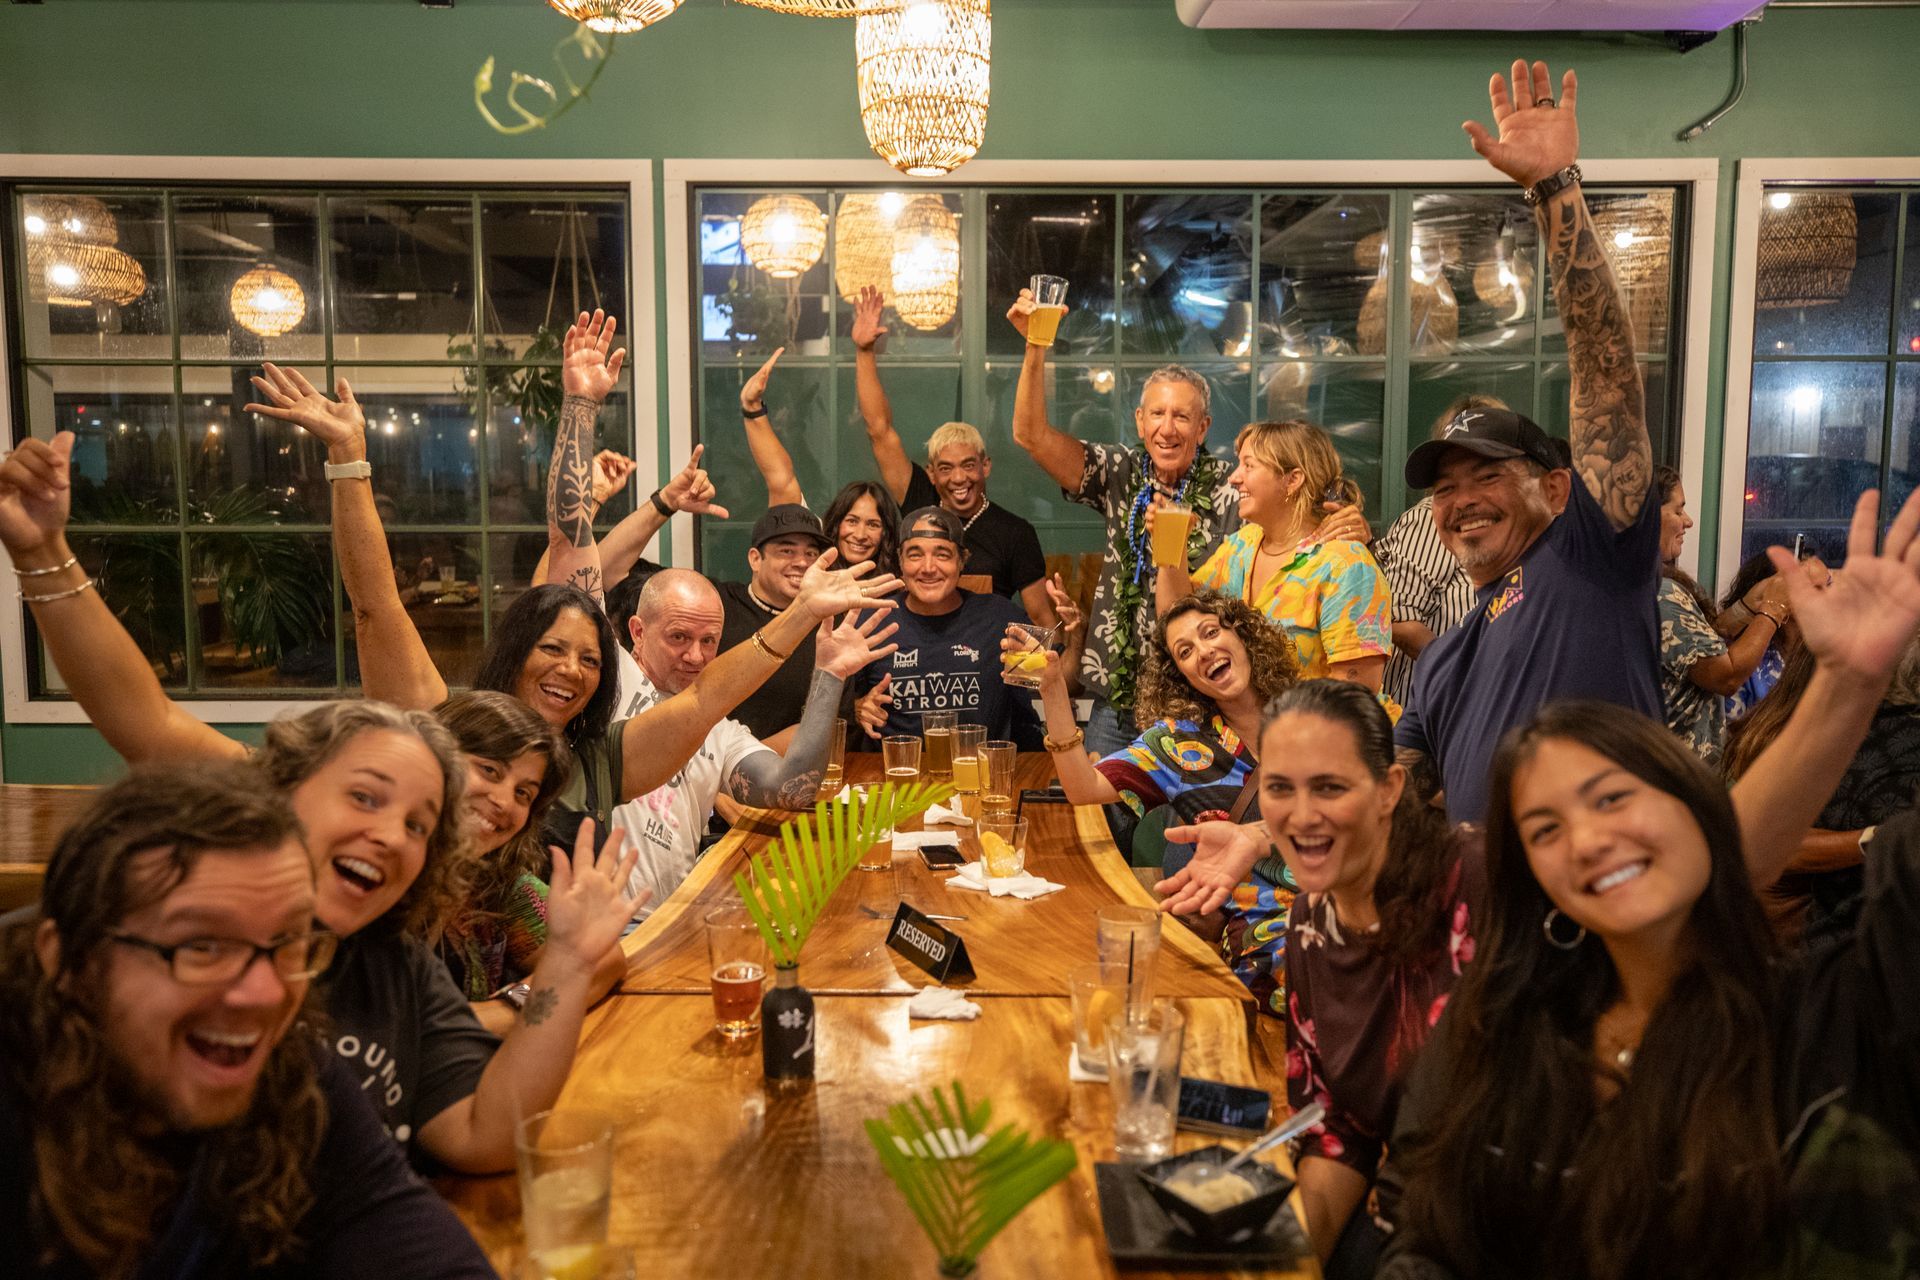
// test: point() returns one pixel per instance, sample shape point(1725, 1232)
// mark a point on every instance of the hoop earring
point(1546, 927)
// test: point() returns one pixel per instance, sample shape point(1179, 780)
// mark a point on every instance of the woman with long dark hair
point(1699, 667)
point(1379, 932)
point(1629, 1081)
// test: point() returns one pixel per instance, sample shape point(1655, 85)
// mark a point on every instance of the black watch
point(1550, 186)
point(659, 504)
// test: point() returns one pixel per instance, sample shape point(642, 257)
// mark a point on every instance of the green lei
point(1202, 478)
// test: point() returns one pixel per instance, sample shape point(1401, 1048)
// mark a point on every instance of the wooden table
point(718, 1175)
point(32, 819)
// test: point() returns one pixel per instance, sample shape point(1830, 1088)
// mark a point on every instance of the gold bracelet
point(1761, 612)
point(68, 563)
point(760, 643)
point(58, 595)
point(1054, 748)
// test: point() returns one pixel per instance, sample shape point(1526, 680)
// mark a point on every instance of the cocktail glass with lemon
point(565, 1162)
point(1003, 845)
point(1097, 992)
point(1022, 666)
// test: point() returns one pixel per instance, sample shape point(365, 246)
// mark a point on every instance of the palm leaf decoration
point(963, 1183)
point(788, 883)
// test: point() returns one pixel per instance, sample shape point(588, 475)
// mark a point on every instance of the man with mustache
point(164, 1108)
point(1566, 601)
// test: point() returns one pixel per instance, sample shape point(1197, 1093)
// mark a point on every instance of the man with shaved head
point(675, 631)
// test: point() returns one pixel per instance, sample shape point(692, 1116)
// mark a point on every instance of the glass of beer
point(936, 732)
point(878, 856)
point(1021, 667)
point(565, 1160)
point(1170, 526)
point(998, 760)
point(1049, 307)
point(738, 956)
point(967, 777)
point(835, 776)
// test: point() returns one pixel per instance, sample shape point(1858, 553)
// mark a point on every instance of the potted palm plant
point(963, 1182)
point(786, 886)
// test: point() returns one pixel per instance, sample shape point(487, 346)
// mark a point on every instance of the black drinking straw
point(1131, 937)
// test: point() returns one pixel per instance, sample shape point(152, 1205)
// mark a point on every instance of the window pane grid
point(219, 653)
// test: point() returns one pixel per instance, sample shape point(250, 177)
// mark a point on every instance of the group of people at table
point(1473, 768)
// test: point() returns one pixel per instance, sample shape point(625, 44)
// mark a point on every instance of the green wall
point(1093, 79)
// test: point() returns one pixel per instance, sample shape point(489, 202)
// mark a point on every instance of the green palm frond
point(964, 1199)
point(788, 883)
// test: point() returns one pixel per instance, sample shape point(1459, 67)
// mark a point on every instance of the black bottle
point(786, 1028)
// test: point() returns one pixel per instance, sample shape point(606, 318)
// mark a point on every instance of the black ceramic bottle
point(786, 1028)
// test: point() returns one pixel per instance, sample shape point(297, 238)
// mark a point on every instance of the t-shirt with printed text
point(951, 662)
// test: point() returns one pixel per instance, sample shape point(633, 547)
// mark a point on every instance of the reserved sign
point(939, 951)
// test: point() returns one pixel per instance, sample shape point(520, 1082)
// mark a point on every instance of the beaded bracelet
point(41, 573)
point(58, 595)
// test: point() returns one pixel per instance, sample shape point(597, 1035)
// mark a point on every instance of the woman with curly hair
point(1215, 663)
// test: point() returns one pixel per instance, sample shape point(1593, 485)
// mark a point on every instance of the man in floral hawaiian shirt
point(1121, 484)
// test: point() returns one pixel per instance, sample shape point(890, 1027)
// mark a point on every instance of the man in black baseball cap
point(948, 654)
point(1566, 573)
point(785, 541)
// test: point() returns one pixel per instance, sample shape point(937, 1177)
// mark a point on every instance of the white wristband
point(348, 470)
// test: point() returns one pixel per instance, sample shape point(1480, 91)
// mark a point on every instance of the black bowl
point(1232, 1225)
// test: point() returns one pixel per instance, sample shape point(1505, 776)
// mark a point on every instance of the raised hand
point(753, 396)
point(1223, 856)
point(844, 649)
point(867, 328)
point(1021, 310)
point(588, 905)
point(338, 424)
point(691, 491)
point(1064, 607)
point(611, 471)
point(825, 591)
point(1862, 620)
point(585, 369)
point(870, 709)
point(1537, 138)
point(36, 494)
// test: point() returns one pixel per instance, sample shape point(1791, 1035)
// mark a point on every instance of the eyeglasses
point(213, 962)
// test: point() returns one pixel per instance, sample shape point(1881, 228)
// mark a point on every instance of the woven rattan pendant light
point(617, 17)
point(783, 235)
point(73, 258)
point(267, 301)
point(1637, 234)
point(926, 263)
point(863, 242)
point(923, 75)
point(1809, 243)
point(827, 8)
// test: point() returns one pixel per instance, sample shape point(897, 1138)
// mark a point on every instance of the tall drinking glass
point(1003, 845)
point(1049, 308)
point(879, 854)
point(999, 759)
point(1130, 938)
point(738, 956)
point(967, 779)
point(1096, 992)
point(936, 731)
point(1171, 524)
point(1143, 1072)
point(566, 1181)
point(835, 776)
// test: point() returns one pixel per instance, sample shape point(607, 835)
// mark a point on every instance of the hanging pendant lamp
point(783, 235)
point(923, 80)
point(863, 242)
point(617, 17)
point(926, 263)
point(267, 301)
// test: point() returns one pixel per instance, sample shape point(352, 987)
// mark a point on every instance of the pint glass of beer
point(1049, 306)
point(739, 967)
point(1170, 526)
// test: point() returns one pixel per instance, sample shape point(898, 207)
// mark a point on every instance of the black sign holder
point(938, 951)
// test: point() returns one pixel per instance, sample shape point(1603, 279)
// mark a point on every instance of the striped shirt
point(1428, 585)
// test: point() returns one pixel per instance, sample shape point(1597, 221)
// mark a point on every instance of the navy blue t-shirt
point(951, 662)
point(1575, 619)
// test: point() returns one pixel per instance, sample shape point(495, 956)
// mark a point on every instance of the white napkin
point(943, 1002)
point(908, 841)
point(1026, 885)
point(946, 1144)
point(845, 796)
point(940, 815)
point(1082, 1071)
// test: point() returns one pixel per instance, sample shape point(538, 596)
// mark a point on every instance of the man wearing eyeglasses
point(163, 1110)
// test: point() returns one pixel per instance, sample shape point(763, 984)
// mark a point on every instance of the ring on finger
point(1548, 103)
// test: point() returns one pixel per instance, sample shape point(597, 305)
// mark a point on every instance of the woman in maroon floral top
point(1375, 942)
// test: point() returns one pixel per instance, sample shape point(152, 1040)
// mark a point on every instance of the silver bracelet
point(41, 573)
point(58, 595)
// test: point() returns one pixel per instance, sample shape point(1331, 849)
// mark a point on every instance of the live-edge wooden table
point(718, 1175)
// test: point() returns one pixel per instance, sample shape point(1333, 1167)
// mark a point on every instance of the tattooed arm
point(1608, 425)
point(573, 557)
point(767, 781)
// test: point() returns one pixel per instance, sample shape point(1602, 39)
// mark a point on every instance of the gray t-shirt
point(403, 1029)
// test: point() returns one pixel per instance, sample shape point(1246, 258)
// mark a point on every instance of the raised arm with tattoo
point(586, 377)
point(1540, 140)
point(690, 491)
point(764, 779)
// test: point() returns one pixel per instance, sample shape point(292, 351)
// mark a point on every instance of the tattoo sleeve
point(1608, 420)
point(572, 556)
point(767, 781)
